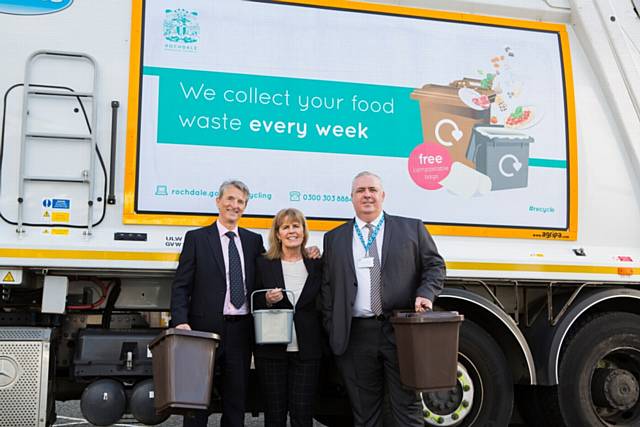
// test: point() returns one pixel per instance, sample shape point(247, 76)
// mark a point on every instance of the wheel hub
point(449, 407)
point(615, 388)
point(443, 402)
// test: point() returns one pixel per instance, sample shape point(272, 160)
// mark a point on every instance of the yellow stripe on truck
point(95, 255)
point(451, 265)
point(543, 268)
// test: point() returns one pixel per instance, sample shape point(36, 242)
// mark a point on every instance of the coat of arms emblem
point(181, 26)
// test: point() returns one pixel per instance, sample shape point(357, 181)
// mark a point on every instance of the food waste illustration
point(474, 132)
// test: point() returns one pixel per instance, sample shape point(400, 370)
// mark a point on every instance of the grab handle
point(292, 297)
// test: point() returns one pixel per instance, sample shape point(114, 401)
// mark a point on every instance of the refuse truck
point(511, 129)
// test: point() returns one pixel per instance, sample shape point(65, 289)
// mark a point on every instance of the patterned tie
point(236, 283)
point(376, 275)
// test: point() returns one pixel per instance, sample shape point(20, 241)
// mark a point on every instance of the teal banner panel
point(279, 113)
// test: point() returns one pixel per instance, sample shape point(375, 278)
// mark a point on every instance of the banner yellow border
point(130, 216)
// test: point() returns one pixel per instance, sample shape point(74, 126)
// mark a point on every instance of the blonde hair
point(285, 215)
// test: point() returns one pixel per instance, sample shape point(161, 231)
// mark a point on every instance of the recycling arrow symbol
point(456, 133)
point(516, 165)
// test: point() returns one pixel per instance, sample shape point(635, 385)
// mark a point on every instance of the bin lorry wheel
point(484, 394)
point(599, 375)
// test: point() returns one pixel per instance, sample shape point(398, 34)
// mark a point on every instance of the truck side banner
point(468, 120)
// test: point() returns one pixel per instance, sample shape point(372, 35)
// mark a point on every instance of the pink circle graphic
point(429, 163)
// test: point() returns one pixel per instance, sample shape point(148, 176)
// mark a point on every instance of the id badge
point(366, 262)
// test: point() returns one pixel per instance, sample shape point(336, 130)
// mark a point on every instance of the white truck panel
point(607, 126)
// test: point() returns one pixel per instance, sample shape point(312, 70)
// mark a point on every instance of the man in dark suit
point(374, 264)
point(215, 275)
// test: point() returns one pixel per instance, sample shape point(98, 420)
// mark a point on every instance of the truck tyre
point(599, 375)
point(483, 369)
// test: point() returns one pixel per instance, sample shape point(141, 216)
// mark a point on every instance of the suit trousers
point(368, 365)
point(288, 384)
point(233, 361)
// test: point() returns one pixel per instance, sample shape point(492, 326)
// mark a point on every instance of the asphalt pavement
point(69, 415)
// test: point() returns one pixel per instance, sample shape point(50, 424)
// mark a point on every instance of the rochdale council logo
point(181, 30)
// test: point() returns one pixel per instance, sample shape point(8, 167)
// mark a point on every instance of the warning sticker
point(10, 277)
point(59, 216)
point(56, 231)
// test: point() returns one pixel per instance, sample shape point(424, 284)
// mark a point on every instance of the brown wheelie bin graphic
point(447, 119)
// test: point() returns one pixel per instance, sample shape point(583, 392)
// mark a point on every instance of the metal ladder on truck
point(28, 135)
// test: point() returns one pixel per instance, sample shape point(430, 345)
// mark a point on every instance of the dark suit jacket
point(411, 266)
point(200, 286)
point(307, 317)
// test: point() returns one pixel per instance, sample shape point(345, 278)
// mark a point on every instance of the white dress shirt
point(362, 304)
point(229, 309)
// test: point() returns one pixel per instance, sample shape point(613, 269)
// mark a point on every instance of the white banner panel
point(466, 123)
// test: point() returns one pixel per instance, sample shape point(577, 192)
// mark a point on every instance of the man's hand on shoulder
point(313, 252)
point(423, 304)
point(184, 326)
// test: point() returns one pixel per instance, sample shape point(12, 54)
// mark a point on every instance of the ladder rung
point(60, 93)
point(54, 179)
point(58, 136)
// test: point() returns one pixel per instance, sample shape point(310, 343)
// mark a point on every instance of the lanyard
point(372, 238)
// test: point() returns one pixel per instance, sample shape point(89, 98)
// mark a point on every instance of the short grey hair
point(234, 183)
point(366, 173)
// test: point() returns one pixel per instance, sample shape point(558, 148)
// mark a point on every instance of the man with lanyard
point(374, 264)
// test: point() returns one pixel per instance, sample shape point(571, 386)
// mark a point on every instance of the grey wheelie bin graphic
point(502, 154)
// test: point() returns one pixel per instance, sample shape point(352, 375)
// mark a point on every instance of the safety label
point(61, 203)
point(10, 277)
